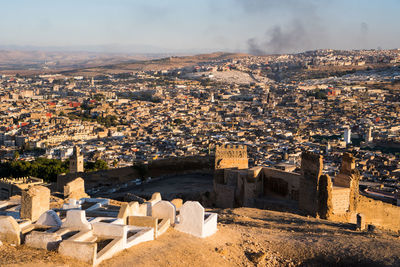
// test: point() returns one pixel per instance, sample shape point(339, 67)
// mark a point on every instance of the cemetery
point(95, 229)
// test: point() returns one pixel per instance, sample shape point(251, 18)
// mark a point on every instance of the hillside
point(246, 237)
point(155, 64)
point(39, 62)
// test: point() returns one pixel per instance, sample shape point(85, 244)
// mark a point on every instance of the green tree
point(100, 165)
point(95, 165)
point(16, 155)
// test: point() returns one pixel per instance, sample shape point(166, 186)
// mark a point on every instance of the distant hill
point(93, 63)
point(22, 61)
point(166, 63)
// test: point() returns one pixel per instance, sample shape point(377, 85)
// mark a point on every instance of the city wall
point(155, 168)
point(379, 213)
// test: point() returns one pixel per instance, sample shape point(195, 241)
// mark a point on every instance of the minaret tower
point(76, 161)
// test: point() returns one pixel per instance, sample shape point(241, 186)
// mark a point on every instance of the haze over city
point(155, 26)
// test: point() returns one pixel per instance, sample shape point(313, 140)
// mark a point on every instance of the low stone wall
point(379, 213)
point(156, 168)
point(275, 179)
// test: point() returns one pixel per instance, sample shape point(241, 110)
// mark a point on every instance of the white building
point(368, 135)
point(347, 135)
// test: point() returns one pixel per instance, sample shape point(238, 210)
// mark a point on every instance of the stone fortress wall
point(14, 186)
point(155, 168)
point(228, 156)
point(311, 192)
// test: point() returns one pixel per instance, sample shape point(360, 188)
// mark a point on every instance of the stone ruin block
point(347, 171)
point(75, 189)
point(361, 224)
point(349, 177)
point(252, 187)
point(195, 221)
point(340, 200)
point(348, 163)
point(325, 196)
point(311, 170)
point(34, 202)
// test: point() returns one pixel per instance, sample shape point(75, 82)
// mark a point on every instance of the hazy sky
point(257, 26)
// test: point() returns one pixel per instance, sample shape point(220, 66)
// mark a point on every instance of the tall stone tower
point(311, 171)
point(76, 161)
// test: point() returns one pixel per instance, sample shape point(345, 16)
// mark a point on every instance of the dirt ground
point(187, 186)
point(245, 237)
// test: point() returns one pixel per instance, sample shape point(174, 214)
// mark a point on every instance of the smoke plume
point(300, 32)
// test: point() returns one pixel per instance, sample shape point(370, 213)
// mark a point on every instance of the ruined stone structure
point(34, 202)
point(230, 187)
point(13, 186)
point(76, 161)
point(309, 191)
point(311, 171)
point(231, 156)
point(75, 189)
point(349, 177)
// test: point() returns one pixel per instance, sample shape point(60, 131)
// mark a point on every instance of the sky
point(195, 26)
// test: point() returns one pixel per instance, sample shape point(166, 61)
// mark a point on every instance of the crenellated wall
point(231, 156)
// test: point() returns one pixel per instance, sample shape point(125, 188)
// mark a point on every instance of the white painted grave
point(76, 220)
point(193, 220)
point(49, 218)
point(164, 210)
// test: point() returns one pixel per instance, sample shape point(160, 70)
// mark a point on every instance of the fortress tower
point(231, 156)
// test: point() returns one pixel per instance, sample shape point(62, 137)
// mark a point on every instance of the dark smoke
point(302, 31)
point(278, 39)
point(254, 48)
point(362, 39)
point(364, 28)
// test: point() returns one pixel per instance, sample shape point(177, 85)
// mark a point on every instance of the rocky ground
point(246, 237)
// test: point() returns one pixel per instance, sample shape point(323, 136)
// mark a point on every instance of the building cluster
point(145, 115)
